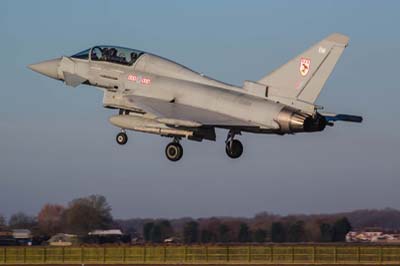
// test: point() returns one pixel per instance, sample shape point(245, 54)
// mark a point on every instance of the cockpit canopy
point(112, 54)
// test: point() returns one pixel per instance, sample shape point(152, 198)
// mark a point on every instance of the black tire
point(174, 151)
point(235, 149)
point(122, 138)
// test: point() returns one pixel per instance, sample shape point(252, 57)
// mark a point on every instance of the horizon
point(216, 216)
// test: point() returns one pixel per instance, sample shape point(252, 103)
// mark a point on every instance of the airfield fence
point(269, 254)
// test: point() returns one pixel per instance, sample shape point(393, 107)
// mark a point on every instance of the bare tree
point(86, 214)
point(50, 219)
point(191, 232)
point(2, 221)
point(21, 220)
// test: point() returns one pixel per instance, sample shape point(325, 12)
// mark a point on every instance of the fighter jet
point(155, 95)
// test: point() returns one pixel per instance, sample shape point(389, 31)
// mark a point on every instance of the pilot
point(105, 53)
point(94, 55)
point(122, 58)
point(113, 55)
point(133, 58)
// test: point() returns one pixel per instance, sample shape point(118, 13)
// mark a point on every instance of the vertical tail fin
point(303, 77)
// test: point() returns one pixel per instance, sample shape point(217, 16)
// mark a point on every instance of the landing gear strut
point(122, 138)
point(174, 150)
point(233, 147)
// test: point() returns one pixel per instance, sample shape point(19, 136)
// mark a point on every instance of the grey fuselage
point(159, 96)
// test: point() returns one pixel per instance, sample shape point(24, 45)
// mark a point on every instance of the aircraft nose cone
point(48, 68)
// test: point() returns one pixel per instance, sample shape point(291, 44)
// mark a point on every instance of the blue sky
point(56, 143)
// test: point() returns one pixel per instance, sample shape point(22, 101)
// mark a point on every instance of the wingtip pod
point(342, 117)
point(349, 118)
point(338, 38)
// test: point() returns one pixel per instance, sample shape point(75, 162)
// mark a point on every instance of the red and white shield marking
point(305, 64)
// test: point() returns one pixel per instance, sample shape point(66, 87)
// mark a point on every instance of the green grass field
point(268, 254)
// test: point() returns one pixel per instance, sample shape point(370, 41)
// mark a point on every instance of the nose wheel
point(233, 147)
point(121, 138)
point(174, 151)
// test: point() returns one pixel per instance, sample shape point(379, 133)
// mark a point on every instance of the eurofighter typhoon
point(156, 95)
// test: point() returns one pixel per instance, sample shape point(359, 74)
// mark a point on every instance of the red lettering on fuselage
point(139, 79)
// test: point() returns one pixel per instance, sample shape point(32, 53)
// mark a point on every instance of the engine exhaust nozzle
point(293, 121)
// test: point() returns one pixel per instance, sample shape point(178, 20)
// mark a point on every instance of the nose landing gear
point(233, 147)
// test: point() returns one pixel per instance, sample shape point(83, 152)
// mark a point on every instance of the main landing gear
point(174, 150)
point(233, 147)
point(122, 138)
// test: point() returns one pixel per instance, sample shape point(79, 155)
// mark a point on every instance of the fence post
point(24, 254)
point(124, 254)
point(249, 253)
point(207, 253)
point(359, 254)
point(44, 254)
point(227, 253)
point(313, 254)
point(272, 253)
point(5, 255)
point(82, 255)
point(165, 253)
point(334, 254)
point(292, 254)
point(381, 254)
point(104, 254)
point(144, 254)
point(185, 258)
point(63, 254)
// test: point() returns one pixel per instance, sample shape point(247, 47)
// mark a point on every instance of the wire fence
point(271, 254)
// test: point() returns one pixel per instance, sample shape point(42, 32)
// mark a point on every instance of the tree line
point(215, 230)
point(83, 215)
